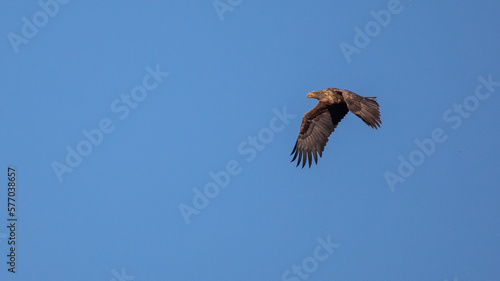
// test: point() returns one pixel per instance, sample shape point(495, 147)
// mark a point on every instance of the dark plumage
point(319, 122)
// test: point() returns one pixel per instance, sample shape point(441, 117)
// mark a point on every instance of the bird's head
point(320, 95)
point(314, 94)
point(326, 95)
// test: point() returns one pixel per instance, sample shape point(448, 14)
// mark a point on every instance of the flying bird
point(319, 122)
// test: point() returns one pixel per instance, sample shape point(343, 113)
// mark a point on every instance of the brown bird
point(319, 122)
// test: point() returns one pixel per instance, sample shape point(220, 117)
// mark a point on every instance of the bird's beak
point(310, 95)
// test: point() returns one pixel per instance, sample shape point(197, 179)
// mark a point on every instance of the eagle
point(319, 122)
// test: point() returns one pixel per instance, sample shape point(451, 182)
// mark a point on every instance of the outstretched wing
point(317, 125)
point(365, 108)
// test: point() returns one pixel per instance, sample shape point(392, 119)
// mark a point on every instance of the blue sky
point(151, 141)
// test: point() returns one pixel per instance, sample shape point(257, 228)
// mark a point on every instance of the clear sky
point(151, 139)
